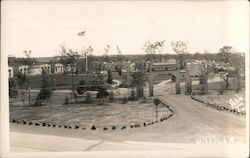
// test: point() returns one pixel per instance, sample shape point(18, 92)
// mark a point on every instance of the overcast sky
point(43, 26)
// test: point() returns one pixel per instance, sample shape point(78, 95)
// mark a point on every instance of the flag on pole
point(81, 33)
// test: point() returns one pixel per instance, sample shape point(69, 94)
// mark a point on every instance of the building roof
point(165, 63)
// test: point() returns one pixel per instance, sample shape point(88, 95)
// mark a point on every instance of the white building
point(128, 66)
point(46, 68)
point(11, 72)
point(24, 69)
point(194, 68)
point(70, 68)
point(125, 66)
point(35, 70)
point(59, 68)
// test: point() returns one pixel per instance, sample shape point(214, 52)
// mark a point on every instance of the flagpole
point(86, 61)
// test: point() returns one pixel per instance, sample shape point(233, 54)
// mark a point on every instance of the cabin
point(58, 68)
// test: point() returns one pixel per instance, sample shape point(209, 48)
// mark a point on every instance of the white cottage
point(24, 69)
point(46, 68)
point(59, 68)
point(37, 69)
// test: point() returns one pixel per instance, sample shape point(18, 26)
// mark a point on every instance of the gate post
point(178, 84)
point(178, 88)
point(151, 88)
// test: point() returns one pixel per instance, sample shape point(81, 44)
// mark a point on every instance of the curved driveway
point(192, 123)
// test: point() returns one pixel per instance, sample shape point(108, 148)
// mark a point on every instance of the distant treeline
point(237, 58)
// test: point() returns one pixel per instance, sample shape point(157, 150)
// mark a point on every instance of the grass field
point(87, 115)
point(227, 100)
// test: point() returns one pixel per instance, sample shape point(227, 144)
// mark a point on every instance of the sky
point(42, 26)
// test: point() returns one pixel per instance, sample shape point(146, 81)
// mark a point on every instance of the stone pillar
point(151, 88)
point(178, 80)
point(178, 88)
point(177, 84)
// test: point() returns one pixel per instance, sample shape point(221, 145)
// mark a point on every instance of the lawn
point(230, 100)
point(87, 115)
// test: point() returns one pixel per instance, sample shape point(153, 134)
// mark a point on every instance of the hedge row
point(220, 108)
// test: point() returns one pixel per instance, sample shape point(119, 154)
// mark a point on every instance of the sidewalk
point(23, 143)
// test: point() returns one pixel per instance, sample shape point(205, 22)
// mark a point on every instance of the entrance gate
point(173, 69)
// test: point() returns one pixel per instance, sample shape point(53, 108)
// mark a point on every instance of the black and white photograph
point(124, 78)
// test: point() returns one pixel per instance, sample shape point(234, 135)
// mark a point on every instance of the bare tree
point(150, 53)
point(30, 64)
point(158, 47)
point(225, 52)
point(226, 56)
point(138, 81)
point(179, 48)
point(106, 55)
point(152, 49)
point(69, 59)
point(120, 57)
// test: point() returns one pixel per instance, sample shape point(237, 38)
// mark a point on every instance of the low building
point(115, 66)
point(110, 66)
point(194, 68)
point(38, 69)
point(11, 72)
point(69, 68)
point(46, 68)
point(24, 69)
point(128, 66)
point(59, 68)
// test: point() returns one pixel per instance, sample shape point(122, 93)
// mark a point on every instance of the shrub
point(157, 101)
point(66, 100)
point(80, 89)
point(111, 96)
point(110, 77)
point(125, 100)
point(13, 92)
point(93, 128)
point(88, 98)
point(133, 95)
point(222, 88)
point(47, 87)
point(102, 92)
